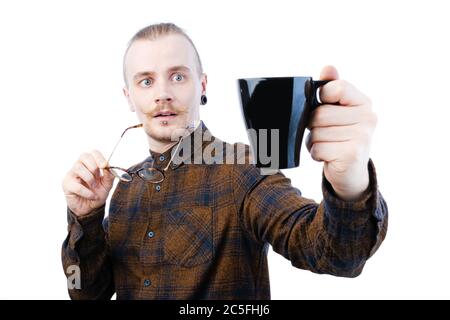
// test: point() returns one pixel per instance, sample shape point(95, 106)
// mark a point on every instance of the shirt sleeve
point(334, 237)
point(86, 248)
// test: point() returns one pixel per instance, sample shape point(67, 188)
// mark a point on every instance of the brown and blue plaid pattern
point(204, 232)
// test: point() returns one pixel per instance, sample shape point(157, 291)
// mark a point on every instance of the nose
point(162, 94)
point(161, 99)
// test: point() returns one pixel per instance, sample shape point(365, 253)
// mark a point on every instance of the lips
point(165, 114)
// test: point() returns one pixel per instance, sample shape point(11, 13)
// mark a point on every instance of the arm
point(334, 237)
point(85, 250)
point(86, 247)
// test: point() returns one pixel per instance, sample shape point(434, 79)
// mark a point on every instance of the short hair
point(153, 32)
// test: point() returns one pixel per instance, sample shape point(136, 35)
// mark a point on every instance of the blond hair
point(153, 32)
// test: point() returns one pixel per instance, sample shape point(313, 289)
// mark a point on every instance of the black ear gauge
point(203, 100)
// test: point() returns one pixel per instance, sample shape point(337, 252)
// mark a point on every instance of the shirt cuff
point(364, 202)
point(89, 226)
point(93, 217)
point(350, 220)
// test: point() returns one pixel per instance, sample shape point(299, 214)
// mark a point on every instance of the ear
point(126, 93)
point(204, 82)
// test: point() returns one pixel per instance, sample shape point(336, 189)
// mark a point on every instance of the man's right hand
point(87, 185)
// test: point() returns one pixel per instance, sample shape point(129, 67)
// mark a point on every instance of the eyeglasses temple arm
point(173, 154)
point(189, 128)
point(132, 127)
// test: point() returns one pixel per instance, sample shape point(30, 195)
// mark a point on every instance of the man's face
point(164, 86)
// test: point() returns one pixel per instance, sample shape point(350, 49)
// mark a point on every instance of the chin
point(161, 131)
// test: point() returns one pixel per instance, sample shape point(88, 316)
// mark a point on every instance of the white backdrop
point(61, 81)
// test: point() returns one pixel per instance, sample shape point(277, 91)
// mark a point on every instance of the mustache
point(166, 108)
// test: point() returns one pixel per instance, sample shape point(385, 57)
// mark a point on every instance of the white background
point(61, 81)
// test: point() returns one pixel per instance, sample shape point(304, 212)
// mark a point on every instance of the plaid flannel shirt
point(204, 232)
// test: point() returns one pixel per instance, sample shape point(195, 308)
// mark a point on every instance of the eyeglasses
point(150, 174)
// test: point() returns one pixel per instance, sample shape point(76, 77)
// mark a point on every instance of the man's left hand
point(340, 135)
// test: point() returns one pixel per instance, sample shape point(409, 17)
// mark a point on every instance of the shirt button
point(147, 282)
point(158, 187)
point(151, 234)
point(161, 158)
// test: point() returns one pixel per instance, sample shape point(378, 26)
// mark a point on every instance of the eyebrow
point(149, 73)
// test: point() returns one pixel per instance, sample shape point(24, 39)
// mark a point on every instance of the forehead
point(160, 54)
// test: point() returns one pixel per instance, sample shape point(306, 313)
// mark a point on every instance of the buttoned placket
point(152, 237)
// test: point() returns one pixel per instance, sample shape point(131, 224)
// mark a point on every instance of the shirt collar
point(189, 146)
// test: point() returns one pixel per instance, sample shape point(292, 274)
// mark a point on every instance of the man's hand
point(85, 187)
point(340, 135)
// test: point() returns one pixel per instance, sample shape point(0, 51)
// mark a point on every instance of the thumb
point(107, 177)
point(329, 73)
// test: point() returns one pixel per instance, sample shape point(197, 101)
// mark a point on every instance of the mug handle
point(316, 84)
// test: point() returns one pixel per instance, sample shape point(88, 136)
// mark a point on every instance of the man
point(201, 231)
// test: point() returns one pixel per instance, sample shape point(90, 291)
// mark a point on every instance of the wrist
point(354, 186)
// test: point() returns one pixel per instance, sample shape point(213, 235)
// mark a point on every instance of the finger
point(89, 162)
point(327, 151)
point(99, 159)
point(75, 188)
point(79, 170)
point(329, 73)
point(102, 163)
point(330, 134)
point(331, 115)
point(308, 142)
point(81, 181)
point(343, 93)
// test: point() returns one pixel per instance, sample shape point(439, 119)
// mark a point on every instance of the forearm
point(86, 248)
point(334, 237)
point(353, 230)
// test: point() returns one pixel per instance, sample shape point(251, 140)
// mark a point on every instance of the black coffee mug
point(276, 111)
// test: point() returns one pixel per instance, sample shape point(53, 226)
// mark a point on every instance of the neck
point(160, 146)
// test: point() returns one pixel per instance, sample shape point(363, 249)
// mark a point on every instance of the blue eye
point(146, 82)
point(178, 77)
